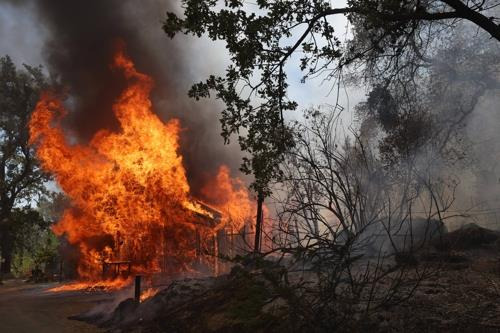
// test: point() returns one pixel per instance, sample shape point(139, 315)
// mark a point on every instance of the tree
point(433, 108)
point(344, 220)
point(21, 179)
point(390, 38)
point(33, 241)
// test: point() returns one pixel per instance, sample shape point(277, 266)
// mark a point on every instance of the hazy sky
point(22, 37)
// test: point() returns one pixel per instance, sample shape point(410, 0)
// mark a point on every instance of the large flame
point(130, 195)
point(230, 196)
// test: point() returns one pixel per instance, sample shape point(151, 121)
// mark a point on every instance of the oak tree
point(21, 179)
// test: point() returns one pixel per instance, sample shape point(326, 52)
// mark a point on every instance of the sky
point(21, 36)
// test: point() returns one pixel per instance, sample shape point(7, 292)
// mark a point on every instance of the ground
point(461, 294)
point(31, 308)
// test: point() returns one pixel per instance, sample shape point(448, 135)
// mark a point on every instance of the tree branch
point(476, 17)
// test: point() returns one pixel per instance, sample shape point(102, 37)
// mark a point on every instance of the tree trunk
point(5, 252)
point(258, 224)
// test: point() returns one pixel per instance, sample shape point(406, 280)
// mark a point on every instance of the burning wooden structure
point(131, 204)
point(223, 242)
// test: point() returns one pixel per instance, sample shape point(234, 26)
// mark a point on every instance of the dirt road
point(29, 308)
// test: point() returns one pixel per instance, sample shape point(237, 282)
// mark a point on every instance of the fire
point(130, 196)
point(148, 293)
point(230, 196)
point(108, 285)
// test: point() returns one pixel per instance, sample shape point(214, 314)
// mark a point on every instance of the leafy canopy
point(21, 179)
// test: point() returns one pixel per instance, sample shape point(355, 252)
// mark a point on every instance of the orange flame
point(148, 293)
point(229, 196)
point(107, 286)
point(130, 195)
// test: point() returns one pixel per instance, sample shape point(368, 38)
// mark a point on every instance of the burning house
point(132, 209)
